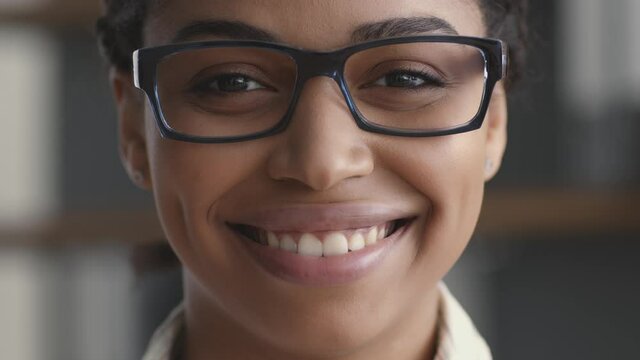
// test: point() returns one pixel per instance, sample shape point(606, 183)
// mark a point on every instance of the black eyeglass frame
point(311, 64)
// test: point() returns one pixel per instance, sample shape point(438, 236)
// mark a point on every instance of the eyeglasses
point(228, 91)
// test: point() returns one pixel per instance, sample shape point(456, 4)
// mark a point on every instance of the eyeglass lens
point(235, 91)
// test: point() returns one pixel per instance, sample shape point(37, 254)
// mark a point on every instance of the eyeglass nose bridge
point(319, 64)
point(329, 64)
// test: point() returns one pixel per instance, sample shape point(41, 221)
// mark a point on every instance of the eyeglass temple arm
point(504, 59)
point(136, 69)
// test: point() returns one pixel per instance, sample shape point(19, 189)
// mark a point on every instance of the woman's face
point(323, 179)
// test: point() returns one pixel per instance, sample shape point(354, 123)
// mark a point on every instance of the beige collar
point(458, 338)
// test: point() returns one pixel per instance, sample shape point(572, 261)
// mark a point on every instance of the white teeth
point(335, 244)
point(309, 245)
point(287, 243)
point(272, 239)
point(356, 242)
point(372, 236)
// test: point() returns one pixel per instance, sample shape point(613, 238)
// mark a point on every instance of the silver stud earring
point(488, 166)
point(137, 177)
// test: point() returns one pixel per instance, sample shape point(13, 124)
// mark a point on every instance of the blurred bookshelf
point(559, 225)
point(79, 14)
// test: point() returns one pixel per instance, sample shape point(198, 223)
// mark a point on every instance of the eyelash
point(427, 77)
point(203, 87)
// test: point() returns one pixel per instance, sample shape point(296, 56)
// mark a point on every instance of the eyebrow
point(223, 28)
point(370, 31)
point(402, 27)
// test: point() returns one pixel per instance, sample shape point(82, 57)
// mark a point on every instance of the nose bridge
point(322, 147)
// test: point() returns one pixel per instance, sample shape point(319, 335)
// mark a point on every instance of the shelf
point(560, 211)
point(505, 213)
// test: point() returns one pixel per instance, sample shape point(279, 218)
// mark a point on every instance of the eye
point(229, 83)
point(408, 80)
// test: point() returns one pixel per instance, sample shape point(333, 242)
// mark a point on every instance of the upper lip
point(321, 217)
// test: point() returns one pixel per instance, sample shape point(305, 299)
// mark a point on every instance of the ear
point(496, 123)
point(131, 128)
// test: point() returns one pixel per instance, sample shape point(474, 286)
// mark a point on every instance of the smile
point(324, 243)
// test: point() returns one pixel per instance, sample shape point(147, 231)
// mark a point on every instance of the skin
point(236, 310)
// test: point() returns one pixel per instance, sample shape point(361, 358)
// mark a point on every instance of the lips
point(321, 244)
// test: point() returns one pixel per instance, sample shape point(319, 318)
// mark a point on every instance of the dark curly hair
point(119, 31)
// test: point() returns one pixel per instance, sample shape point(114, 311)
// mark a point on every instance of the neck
point(211, 333)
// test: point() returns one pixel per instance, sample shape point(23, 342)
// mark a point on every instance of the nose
point(322, 145)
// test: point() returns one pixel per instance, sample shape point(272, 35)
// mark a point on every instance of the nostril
point(320, 167)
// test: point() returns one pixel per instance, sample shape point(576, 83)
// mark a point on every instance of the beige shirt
point(458, 338)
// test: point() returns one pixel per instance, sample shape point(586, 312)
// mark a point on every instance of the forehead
point(312, 24)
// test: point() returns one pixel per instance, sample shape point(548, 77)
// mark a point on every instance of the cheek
point(188, 182)
point(448, 172)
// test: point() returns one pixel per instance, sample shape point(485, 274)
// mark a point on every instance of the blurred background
point(553, 272)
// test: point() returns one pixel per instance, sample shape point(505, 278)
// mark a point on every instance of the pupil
point(233, 83)
point(403, 80)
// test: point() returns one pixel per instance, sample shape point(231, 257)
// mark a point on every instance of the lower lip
point(322, 271)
